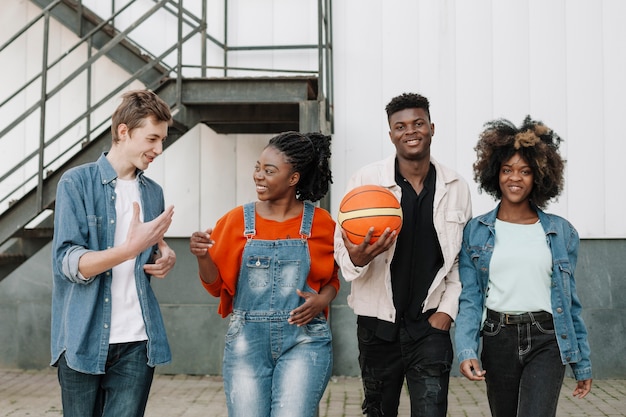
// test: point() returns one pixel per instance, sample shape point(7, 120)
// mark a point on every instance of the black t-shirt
point(416, 260)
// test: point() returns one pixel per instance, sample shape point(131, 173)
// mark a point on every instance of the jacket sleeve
point(449, 303)
point(467, 325)
point(71, 231)
point(581, 369)
point(349, 271)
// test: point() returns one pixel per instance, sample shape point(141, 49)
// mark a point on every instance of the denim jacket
point(474, 260)
point(84, 220)
point(371, 294)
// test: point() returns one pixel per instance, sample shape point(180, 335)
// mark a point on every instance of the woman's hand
point(582, 388)
point(470, 368)
point(313, 305)
point(200, 242)
point(199, 245)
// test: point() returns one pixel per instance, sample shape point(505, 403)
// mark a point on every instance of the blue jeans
point(121, 392)
point(425, 363)
point(273, 368)
point(524, 368)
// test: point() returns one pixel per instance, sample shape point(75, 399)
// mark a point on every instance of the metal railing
point(41, 93)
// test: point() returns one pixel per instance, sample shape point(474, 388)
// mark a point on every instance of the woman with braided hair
point(517, 267)
point(271, 263)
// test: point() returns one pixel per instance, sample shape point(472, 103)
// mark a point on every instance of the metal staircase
point(264, 100)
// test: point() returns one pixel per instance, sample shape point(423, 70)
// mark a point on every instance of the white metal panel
point(340, 78)
point(562, 62)
point(217, 176)
point(177, 171)
point(249, 148)
point(437, 78)
point(614, 111)
point(548, 84)
point(361, 133)
point(473, 71)
point(585, 130)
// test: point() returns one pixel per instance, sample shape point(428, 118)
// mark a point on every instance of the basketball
point(369, 206)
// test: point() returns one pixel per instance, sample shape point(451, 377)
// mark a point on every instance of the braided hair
point(535, 142)
point(309, 154)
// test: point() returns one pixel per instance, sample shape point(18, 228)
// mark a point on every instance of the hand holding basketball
point(366, 207)
point(363, 253)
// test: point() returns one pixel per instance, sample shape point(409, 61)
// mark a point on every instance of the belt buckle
point(506, 318)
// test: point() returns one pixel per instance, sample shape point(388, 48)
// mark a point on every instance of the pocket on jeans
point(234, 327)
point(258, 271)
point(318, 327)
point(490, 328)
point(545, 327)
point(364, 334)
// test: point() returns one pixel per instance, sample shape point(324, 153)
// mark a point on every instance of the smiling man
point(405, 288)
point(107, 331)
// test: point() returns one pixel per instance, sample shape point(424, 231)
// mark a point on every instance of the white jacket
point(371, 293)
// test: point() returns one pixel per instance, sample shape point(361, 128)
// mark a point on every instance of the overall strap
point(248, 220)
point(307, 220)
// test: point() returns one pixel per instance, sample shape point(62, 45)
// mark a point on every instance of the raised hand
point(144, 235)
point(200, 242)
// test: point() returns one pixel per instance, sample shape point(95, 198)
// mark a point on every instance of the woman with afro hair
point(517, 268)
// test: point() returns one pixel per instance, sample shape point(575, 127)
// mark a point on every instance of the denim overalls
point(273, 368)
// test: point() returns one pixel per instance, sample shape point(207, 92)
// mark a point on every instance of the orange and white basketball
point(369, 206)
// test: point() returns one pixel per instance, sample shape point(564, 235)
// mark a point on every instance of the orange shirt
point(230, 241)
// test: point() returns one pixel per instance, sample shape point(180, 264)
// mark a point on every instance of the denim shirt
point(474, 260)
point(84, 221)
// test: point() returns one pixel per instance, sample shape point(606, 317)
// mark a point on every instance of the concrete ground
point(36, 393)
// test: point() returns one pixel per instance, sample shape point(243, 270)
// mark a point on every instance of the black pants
point(524, 368)
point(425, 364)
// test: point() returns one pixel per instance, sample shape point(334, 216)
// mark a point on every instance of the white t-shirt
point(520, 272)
point(127, 323)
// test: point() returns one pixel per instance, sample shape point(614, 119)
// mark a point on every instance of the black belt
point(530, 317)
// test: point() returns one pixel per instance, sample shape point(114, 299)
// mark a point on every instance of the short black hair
point(407, 101)
point(535, 142)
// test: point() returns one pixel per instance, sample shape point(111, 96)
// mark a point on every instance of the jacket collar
point(489, 219)
point(444, 175)
point(108, 174)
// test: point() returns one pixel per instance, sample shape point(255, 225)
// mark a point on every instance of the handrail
point(189, 25)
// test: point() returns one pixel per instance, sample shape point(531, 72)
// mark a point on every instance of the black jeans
point(425, 363)
point(524, 368)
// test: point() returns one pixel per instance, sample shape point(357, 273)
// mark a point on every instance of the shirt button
point(559, 310)
point(568, 358)
point(106, 326)
point(563, 336)
point(112, 221)
point(106, 300)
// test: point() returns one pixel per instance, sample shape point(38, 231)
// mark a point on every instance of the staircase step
point(36, 233)
point(12, 258)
